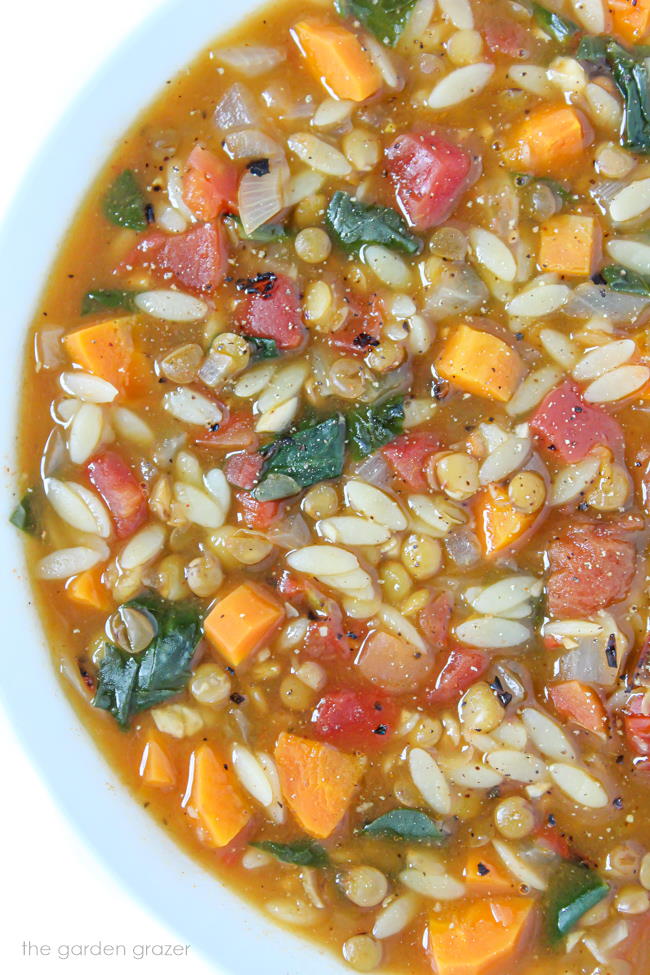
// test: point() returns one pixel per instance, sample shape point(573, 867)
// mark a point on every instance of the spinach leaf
point(124, 203)
point(574, 889)
point(405, 824)
point(621, 279)
point(386, 19)
point(305, 853)
point(370, 427)
point(354, 223)
point(559, 28)
point(631, 78)
point(126, 683)
point(264, 234)
point(306, 457)
point(262, 348)
point(107, 298)
point(24, 514)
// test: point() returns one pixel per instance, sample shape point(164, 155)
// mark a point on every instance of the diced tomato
point(591, 567)
point(434, 620)
point(209, 184)
point(243, 469)
point(238, 431)
point(122, 492)
point(290, 586)
point(636, 725)
point(429, 175)
point(361, 330)
point(326, 637)
point(505, 36)
point(272, 311)
point(462, 668)
point(552, 839)
point(197, 259)
point(407, 455)
point(257, 514)
point(355, 719)
point(569, 426)
point(581, 704)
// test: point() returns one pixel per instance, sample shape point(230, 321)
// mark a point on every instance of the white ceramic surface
point(237, 940)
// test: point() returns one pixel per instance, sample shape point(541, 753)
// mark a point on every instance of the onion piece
point(236, 110)
point(459, 290)
point(260, 198)
point(251, 144)
point(594, 299)
point(250, 59)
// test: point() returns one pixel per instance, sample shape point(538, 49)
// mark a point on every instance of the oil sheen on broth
point(334, 458)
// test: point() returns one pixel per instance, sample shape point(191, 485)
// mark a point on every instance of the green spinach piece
point(524, 180)
point(124, 204)
point(262, 348)
point(629, 282)
point(105, 299)
point(128, 683)
point(304, 853)
point(559, 28)
point(24, 515)
point(386, 19)
point(371, 427)
point(405, 824)
point(631, 78)
point(354, 224)
point(300, 459)
point(574, 889)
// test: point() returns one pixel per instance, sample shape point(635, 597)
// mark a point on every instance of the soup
point(334, 459)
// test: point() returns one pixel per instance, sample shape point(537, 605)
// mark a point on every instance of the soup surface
point(335, 458)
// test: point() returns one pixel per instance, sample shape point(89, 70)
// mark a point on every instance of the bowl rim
point(229, 933)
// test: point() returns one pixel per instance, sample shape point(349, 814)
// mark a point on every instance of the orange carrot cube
point(241, 622)
point(480, 363)
point(570, 245)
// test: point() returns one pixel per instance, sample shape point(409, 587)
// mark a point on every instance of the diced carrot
point(317, 780)
point(241, 621)
point(156, 768)
point(570, 245)
point(88, 590)
point(215, 797)
point(580, 703)
point(106, 349)
point(549, 142)
point(336, 58)
point(478, 937)
point(480, 363)
point(630, 19)
point(498, 523)
point(483, 874)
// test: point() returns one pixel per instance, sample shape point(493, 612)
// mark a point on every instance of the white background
point(52, 890)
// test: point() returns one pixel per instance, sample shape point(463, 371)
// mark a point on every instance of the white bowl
point(235, 938)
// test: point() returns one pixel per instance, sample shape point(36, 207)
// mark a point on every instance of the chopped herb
point(574, 889)
point(128, 683)
point(405, 824)
point(559, 28)
point(370, 427)
point(483, 871)
point(631, 78)
point(563, 194)
point(621, 279)
point(610, 651)
point(262, 348)
point(304, 853)
point(306, 457)
point(504, 696)
point(258, 167)
point(124, 203)
point(107, 298)
point(354, 224)
point(386, 19)
point(150, 213)
point(24, 514)
point(237, 698)
point(260, 285)
point(363, 340)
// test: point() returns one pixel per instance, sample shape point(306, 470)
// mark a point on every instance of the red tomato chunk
point(570, 427)
point(122, 492)
point(257, 514)
point(355, 719)
point(243, 470)
point(271, 310)
point(591, 567)
point(462, 668)
point(197, 259)
point(407, 455)
point(429, 175)
point(209, 184)
point(506, 37)
point(434, 620)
